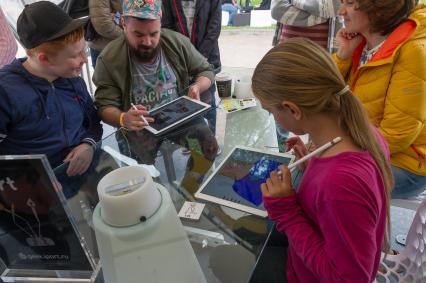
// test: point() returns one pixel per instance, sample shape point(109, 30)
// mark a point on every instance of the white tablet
point(175, 113)
point(236, 181)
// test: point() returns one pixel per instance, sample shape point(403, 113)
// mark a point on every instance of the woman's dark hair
point(386, 15)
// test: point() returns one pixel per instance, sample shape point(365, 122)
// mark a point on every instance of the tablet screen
point(236, 182)
point(174, 113)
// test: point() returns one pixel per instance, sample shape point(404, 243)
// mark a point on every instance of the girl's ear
point(293, 109)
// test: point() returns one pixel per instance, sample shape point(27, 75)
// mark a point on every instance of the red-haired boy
point(45, 107)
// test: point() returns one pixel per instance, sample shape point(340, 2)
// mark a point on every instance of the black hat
point(44, 21)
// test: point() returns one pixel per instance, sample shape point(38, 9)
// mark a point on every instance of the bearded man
point(148, 66)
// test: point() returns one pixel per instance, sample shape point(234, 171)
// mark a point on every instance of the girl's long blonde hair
point(302, 72)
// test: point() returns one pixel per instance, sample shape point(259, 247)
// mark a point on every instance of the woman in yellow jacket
point(382, 55)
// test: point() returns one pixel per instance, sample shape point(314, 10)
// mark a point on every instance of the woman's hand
point(278, 186)
point(347, 42)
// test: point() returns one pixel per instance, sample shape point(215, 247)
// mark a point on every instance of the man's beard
point(144, 54)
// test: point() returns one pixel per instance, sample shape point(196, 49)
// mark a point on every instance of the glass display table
point(227, 243)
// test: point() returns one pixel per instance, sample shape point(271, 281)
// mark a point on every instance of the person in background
point(336, 221)
point(45, 107)
point(200, 21)
point(310, 19)
point(305, 18)
point(105, 17)
point(8, 46)
point(382, 55)
point(232, 8)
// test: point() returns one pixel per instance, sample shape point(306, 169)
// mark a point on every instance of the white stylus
point(142, 117)
point(313, 153)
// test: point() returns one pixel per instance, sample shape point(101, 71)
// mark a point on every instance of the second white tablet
point(236, 181)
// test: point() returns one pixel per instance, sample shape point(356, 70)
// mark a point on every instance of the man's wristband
point(122, 119)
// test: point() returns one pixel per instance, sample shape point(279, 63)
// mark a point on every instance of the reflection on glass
point(221, 234)
point(37, 233)
point(239, 177)
point(124, 188)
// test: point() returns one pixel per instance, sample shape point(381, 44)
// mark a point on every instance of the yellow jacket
point(392, 87)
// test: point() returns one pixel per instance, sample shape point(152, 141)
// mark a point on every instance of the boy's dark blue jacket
point(39, 117)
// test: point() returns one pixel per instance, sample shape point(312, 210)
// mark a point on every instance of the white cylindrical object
point(242, 88)
point(126, 205)
point(154, 251)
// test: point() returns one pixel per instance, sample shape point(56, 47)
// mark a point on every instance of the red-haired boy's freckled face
point(68, 62)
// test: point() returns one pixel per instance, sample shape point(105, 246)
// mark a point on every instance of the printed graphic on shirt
point(153, 84)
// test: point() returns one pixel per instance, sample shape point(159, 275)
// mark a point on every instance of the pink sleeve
point(8, 45)
point(345, 249)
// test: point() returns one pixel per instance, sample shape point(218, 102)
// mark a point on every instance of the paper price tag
point(191, 210)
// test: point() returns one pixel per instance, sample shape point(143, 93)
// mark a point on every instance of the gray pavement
point(244, 47)
point(240, 49)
